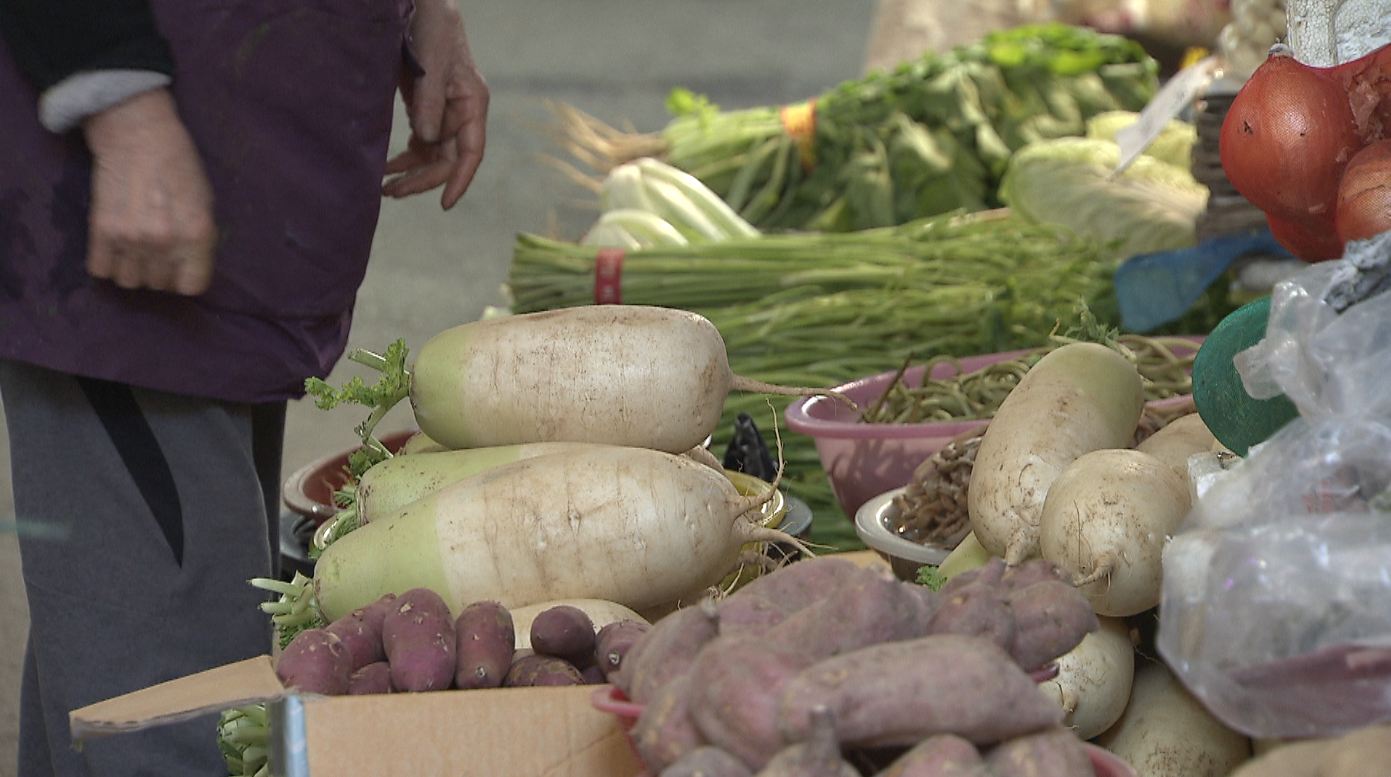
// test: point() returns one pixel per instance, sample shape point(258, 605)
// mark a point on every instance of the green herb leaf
point(931, 577)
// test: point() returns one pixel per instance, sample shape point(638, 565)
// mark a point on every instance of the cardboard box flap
point(232, 685)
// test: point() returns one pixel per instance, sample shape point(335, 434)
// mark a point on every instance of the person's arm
point(84, 56)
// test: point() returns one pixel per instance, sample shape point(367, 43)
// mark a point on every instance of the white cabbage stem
point(1324, 33)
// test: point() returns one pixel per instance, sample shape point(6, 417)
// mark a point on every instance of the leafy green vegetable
point(1173, 146)
point(1070, 182)
point(931, 577)
point(393, 386)
point(930, 136)
point(295, 610)
point(243, 736)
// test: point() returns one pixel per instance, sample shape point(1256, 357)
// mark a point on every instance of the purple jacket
point(290, 103)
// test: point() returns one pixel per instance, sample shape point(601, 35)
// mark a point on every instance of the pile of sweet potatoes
point(824, 664)
point(411, 643)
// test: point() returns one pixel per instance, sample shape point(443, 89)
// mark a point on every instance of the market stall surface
point(431, 269)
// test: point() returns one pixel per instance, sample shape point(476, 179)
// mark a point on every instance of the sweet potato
point(1053, 753)
point(816, 756)
point(536, 669)
point(749, 615)
point(592, 675)
point(484, 640)
point(944, 755)
point(564, 632)
point(601, 613)
point(664, 731)
point(371, 679)
point(668, 650)
point(975, 610)
point(315, 661)
point(797, 585)
point(1050, 618)
point(867, 612)
point(900, 693)
point(418, 634)
point(361, 632)
point(990, 573)
point(707, 761)
point(1034, 570)
point(612, 643)
point(735, 685)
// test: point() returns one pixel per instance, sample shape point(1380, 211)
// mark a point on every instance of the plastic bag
point(1276, 609)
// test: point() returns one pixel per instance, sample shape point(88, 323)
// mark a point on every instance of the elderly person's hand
point(448, 109)
point(151, 219)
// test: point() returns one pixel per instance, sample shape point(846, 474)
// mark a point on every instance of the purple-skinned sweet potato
point(735, 684)
point(975, 610)
point(943, 755)
point(484, 645)
point(612, 643)
point(1034, 570)
point(664, 732)
point(538, 670)
point(315, 661)
point(1050, 619)
point(418, 634)
point(991, 573)
point(565, 632)
point(707, 761)
point(817, 755)
point(667, 650)
point(871, 611)
point(799, 584)
point(1052, 753)
point(900, 693)
point(592, 675)
point(749, 615)
point(361, 631)
point(371, 679)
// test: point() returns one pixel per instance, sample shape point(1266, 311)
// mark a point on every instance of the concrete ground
point(431, 270)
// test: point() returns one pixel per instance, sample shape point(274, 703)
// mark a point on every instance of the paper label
point(1168, 103)
point(608, 277)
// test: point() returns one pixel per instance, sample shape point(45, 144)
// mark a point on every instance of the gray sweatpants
point(163, 514)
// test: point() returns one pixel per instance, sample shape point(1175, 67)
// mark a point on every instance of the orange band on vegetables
point(799, 121)
point(608, 277)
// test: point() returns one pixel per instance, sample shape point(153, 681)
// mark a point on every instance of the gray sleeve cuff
point(80, 95)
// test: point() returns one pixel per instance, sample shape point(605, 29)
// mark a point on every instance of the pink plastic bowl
point(863, 461)
point(607, 698)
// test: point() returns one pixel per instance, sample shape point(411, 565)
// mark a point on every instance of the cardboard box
point(508, 732)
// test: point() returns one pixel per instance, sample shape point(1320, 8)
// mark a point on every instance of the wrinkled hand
point(448, 109)
point(151, 221)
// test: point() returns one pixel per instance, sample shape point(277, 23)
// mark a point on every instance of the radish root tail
point(1104, 567)
point(754, 533)
point(741, 383)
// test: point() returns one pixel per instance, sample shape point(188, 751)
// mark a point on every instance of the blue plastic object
point(1155, 289)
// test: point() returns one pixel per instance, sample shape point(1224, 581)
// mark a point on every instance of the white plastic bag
point(1276, 610)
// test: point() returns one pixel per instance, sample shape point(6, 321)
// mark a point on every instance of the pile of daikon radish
point(1055, 478)
point(551, 467)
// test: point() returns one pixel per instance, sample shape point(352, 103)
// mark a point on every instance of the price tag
point(1167, 104)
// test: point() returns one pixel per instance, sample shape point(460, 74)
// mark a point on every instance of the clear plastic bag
point(1276, 610)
